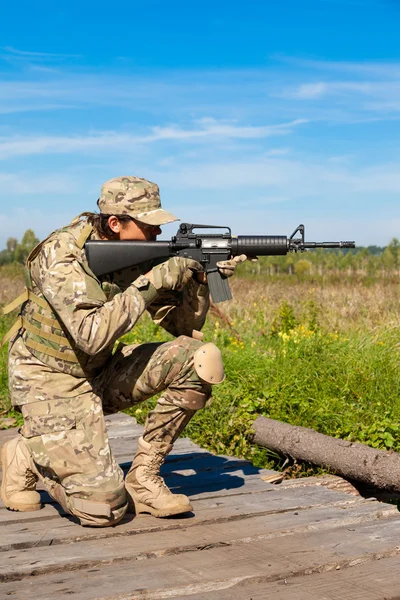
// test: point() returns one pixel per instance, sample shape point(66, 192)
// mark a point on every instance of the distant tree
point(11, 244)
point(375, 250)
point(29, 239)
point(346, 262)
point(289, 260)
point(361, 260)
point(394, 247)
point(387, 259)
point(302, 267)
point(28, 242)
point(390, 258)
point(4, 257)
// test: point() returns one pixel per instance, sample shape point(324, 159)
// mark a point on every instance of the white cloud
point(379, 69)
point(30, 54)
point(221, 167)
point(308, 91)
point(277, 152)
point(369, 87)
point(291, 179)
point(18, 145)
point(319, 89)
point(264, 195)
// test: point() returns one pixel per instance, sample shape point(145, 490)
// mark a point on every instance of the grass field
point(320, 354)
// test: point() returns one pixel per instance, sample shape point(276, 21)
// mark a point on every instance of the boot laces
point(153, 470)
point(30, 479)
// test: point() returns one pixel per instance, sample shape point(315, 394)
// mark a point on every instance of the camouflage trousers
point(67, 437)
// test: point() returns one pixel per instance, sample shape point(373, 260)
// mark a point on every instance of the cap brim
point(156, 217)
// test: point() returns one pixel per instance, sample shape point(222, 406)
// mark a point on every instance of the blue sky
point(259, 115)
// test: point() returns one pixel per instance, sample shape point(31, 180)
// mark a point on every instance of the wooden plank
point(195, 484)
point(128, 446)
point(269, 497)
point(374, 580)
point(245, 535)
point(184, 452)
point(119, 417)
point(214, 484)
point(7, 434)
point(8, 517)
point(116, 422)
point(123, 432)
point(324, 539)
point(211, 568)
point(253, 485)
point(210, 484)
point(21, 533)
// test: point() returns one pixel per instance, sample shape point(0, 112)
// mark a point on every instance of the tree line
point(18, 252)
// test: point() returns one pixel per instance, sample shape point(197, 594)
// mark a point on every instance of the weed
point(323, 355)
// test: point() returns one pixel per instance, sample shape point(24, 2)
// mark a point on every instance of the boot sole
point(22, 507)
point(11, 505)
point(158, 512)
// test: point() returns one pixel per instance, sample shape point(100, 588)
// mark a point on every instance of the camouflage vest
point(42, 331)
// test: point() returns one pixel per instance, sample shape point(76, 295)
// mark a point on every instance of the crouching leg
point(190, 368)
point(68, 444)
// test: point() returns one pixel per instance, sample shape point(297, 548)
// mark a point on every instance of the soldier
point(64, 376)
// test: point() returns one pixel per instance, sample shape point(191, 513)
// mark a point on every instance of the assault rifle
point(105, 256)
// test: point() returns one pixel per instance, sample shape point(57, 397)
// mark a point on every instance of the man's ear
point(114, 224)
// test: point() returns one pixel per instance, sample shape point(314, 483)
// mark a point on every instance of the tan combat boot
point(146, 488)
point(19, 480)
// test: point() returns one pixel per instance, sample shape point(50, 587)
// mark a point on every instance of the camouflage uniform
point(64, 375)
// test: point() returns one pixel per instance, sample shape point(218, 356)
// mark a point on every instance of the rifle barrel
point(327, 244)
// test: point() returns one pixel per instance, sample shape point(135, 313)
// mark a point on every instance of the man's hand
point(227, 267)
point(174, 273)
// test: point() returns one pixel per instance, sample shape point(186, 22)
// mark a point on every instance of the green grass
point(6, 409)
point(322, 359)
point(342, 385)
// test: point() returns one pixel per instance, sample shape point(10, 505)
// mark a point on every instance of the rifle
point(107, 256)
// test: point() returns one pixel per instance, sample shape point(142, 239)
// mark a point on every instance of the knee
point(208, 364)
point(201, 361)
point(202, 368)
point(102, 508)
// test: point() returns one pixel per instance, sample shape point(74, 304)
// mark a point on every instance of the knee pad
point(100, 503)
point(97, 514)
point(208, 364)
point(101, 509)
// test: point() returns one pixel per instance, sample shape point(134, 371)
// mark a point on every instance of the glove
point(227, 267)
point(174, 273)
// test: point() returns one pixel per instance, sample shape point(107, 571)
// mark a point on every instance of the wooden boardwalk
point(247, 539)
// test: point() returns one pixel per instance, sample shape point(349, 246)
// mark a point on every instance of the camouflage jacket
point(90, 314)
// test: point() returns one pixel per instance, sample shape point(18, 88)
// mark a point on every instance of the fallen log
point(351, 460)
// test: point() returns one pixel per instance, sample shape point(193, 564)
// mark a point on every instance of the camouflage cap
point(135, 197)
